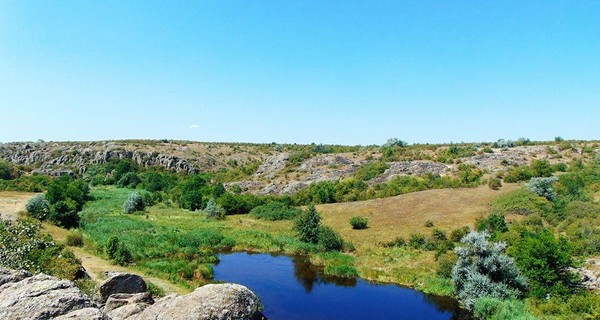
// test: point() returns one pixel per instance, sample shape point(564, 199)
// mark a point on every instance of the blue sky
point(343, 72)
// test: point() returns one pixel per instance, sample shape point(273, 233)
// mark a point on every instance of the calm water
point(291, 288)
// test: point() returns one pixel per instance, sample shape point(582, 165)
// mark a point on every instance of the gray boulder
point(121, 283)
point(212, 301)
point(84, 314)
point(39, 297)
point(121, 299)
point(7, 275)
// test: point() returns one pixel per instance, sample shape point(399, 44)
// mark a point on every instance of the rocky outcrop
point(27, 296)
point(272, 165)
point(121, 283)
point(23, 296)
point(212, 301)
point(411, 167)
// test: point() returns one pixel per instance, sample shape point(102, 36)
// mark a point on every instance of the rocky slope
point(27, 296)
point(276, 167)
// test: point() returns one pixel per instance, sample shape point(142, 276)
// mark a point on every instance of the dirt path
point(13, 202)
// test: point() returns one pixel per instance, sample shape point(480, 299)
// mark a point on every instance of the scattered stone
point(86, 314)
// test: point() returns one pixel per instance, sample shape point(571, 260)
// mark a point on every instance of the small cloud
point(192, 126)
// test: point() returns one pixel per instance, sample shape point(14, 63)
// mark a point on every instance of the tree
point(191, 199)
point(6, 170)
point(307, 225)
point(129, 180)
point(395, 142)
point(545, 261)
point(483, 270)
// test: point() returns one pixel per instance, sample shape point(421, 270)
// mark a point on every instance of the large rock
point(84, 314)
point(38, 297)
point(121, 299)
point(212, 301)
point(121, 283)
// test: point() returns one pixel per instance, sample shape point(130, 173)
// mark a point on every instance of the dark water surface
point(292, 288)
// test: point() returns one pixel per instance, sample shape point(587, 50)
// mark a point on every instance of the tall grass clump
point(275, 210)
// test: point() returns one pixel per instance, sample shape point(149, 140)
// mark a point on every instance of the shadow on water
point(290, 287)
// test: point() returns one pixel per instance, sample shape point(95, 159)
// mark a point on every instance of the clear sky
point(343, 72)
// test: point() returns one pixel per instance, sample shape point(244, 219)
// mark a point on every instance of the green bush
point(445, 264)
point(457, 234)
point(544, 259)
point(521, 202)
point(129, 180)
point(494, 183)
point(493, 224)
point(111, 247)
point(133, 203)
point(191, 200)
point(6, 170)
point(329, 240)
point(122, 256)
point(307, 225)
point(275, 211)
point(397, 242)
point(38, 207)
point(370, 170)
point(359, 223)
point(74, 239)
point(64, 214)
point(417, 241)
point(498, 309)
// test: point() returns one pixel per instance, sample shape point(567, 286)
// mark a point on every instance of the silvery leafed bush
point(542, 187)
point(133, 203)
point(483, 270)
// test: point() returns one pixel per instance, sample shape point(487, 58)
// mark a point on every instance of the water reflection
point(308, 275)
point(292, 288)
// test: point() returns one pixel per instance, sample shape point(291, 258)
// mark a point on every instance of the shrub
point(494, 183)
point(213, 210)
point(129, 180)
point(457, 234)
point(397, 242)
point(483, 270)
point(417, 241)
point(521, 202)
point(497, 309)
point(329, 240)
point(439, 234)
point(445, 264)
point(504, 144)
point(122, 256)
point(191, 199)
point(111, 247)
point(74, 239)
point(307, 225)
point(542, 187)
point(359, 223)
point(133, 203)
point(370, 170)
point(6, 170)
point(428, 224)
point(493, 224)
point(545, 261)
point(38, 207)
point(275, 210)
point(64, 214)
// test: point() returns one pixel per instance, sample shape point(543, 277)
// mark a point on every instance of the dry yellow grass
point(406, 214)
point(11, 202)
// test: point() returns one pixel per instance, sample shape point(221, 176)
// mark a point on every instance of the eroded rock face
point(84, 314)
point(212, 301)
point(121, 299)
point(23, 296)
point(121, 283)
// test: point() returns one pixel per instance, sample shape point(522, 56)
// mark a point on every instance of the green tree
point(6, 170)
point(38, 207)
point(329, 240)
point(307, 225)
point(133, 203)
point(213, 210)
point(544, 259)
point(191, 199)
